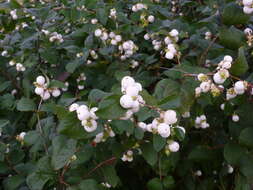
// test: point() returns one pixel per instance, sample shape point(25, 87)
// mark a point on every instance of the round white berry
point(73, 107)
point(247, 2)
point(205, 86)
point(174, 33)
point(170, 117)
point(151, 18)
point(46, 95)
point(40, 80)
point(164, 130)
point(235, 118)
point(56, 93)
point(218, 79)
point(247, 10)
point(126, 101)
point(39, 91)
point(98, 32)
point(142, 125)
point(146, 36)
point(169, 55)
point(89, 126)
point(173, 146)
point(228, 58)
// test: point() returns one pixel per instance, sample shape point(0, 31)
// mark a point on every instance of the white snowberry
point(73, 107)
point(235, 118)
point(247, 10)
point(173, 146)
point(164, 130)
point(174, 33)
point(247, 2)
point(40, 80)
point(170, 117)
point(98, 32)
point(151, 18)
point(126, 101)
point(39, 91)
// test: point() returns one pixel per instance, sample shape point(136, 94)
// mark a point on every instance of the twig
point(39, 126)
point(106, 162)
point(207, 49)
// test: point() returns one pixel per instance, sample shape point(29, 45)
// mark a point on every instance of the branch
point(106, 162)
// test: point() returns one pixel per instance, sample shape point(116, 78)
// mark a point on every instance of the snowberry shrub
point(137, 94)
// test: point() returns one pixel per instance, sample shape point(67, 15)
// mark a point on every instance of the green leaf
point(69, 124)
point(149, 154)
point(240, 66)
point(246, 137)
point(57, 83)
point(155, 184)
point(233, 153)
point(85, 154)
point(63, 150)
point(168, 182)
point(158, 142)
point(96, 95)
point(102, 15)
point(36, 181)
point(111, 176)
point(89, 184)
point(179, 133)
point(119, 126)
point(232, 38)
point(13, 182)
point(230, 18)
point(200, 154)
point(25, 104)
point(109, 108)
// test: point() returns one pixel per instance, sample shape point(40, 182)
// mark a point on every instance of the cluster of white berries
point(54, 36)
point(19, 66)
point(134, 64)
point(239, 88)
point(147, 19)
point(247, 6)
point(219, 78)
point(79, 80)
point(200, 122)
point(13, 14)
point(162, 125)
point(113, 13)
point(222, 70)
point(208, 35)
point(106, 185)
point(128, 156)
point(139, 6)
point(169, 42)
point(113, 39)
point(131, 99)
point(248, 32)
point(127, 49)
point(22, 26)
point(101, 137)
point(86, 116)
point(43, 90)
point(102, 34)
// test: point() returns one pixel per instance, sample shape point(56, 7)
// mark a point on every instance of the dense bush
point(126, 94)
